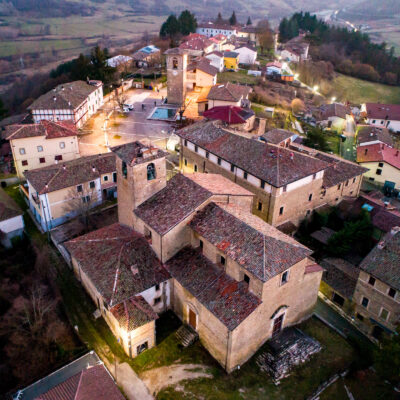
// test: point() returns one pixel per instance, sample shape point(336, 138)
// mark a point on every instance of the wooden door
point(277, 325)
point(192, 319)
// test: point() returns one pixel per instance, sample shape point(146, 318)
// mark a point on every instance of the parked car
point(129, 106)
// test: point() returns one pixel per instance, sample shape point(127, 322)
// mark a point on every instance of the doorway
point(277, 325)
point(192, 319)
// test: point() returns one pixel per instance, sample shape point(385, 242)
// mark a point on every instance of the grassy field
point(346, 88)
point(237, 77)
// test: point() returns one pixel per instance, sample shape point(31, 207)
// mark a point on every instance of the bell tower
point(177, 62)
point(141, 173)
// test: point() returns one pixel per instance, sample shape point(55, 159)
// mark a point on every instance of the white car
point(129, 107)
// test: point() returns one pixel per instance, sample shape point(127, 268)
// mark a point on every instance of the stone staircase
point(186, 335)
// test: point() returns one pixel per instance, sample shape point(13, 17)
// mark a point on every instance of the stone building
point(288, 183)
point(233, 278)
point(377, 294)
point(177, 63)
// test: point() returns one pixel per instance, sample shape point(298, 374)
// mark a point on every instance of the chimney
point(291, 156)
point(93, 168)
point(54, 98)
point(64, 167)
point(397, 153)
point(62, 88)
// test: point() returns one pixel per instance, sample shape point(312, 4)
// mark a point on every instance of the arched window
point(174, 63)
point(124, 169)
point(151, 172)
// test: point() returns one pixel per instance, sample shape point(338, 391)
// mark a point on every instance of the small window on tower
point(124, 169)
point(174, 63)
point(151, 172)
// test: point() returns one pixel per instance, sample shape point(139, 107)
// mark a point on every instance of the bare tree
point(265, 36)
point(120, 97)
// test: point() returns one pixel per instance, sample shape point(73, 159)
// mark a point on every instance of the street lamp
point(315, 88)
point(296, 76)
point(333, 99)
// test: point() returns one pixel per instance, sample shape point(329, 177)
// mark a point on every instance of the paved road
point(134, 126)
point(328, 314)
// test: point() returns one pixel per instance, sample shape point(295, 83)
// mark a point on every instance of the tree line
point(185, 24)
point(351, 52)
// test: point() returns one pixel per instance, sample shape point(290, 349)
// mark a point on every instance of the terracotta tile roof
point(333, 110)
point(91, 383)
point(135, 153)
point(212, 25)
point(310, 269)
point(48, 129)
point(377, 153)
point(216, 53)
point(229, 114)
point(383, 262)
point(368, 133)
point(247, 46)
point(118, 261)
point(275, 165)
point(177, 51)
point(70, 173)
point(255, 245)
point(230, 301)
point(276, 136)
point(8, 207)
point(231, 54)
point(383, 111)
point(203, 64)
point(229, 92)
point(181, 197)
point(133, 313)
point(340, 275)
point(274, 64)
point(196, 43)
point(67, 96)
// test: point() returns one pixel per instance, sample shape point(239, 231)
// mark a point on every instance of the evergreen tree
point(170, 27)
point(233, 19)
point(3, 111)
point(187, 22)
point(219, 19)
point(249, 22)
point(99, 68)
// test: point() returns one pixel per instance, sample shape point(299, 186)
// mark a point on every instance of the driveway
point(127, 128)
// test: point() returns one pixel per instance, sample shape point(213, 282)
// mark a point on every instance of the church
point(192, 245)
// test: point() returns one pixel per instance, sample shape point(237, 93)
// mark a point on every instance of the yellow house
point(231, 60)
point(39, 145)
point(65, 190)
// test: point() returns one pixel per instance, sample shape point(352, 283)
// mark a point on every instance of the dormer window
point(151, 172)
point(124, 169)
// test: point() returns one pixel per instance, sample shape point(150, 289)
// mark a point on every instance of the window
point(284, 277)
point(207, 154)
point(310, 197)
point(86, 199)
point(339, 300)
point(379, 171)
point(196, 149)
point(24, 162)
point(185, 142)
point(58, 158)
point(384, 314)
point(114, 177)
point(371, 281)
point(124, 169)
point(151, 172)
point(338, 186)
point(262, 185)
point(246, 278)
point(245, 175)
point(347, 183)
point(140, 349)
point(222, 260)
point(232, 168)
point(157, 300)
point(195, 168)
point(284, 188)
point(185, 162)
point(373, 121)
point(392, 292)
point(22, 151)
point(219, 161)
point(308, 212)
point(39, 148)
point(42, 160)
point(174, 63)
point(281, 211)
point(371, 179)
point(201, 244)
point(364, 302)
point(92, 185)
point(259, 206)
point(105, 178)
point(79, 188)
point(354, 180)
point(380, 164)
point(366, 152)
point(360, 317)
point(157, 287)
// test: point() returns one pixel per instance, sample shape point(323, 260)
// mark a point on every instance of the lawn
point(354, 90)
point(237, 77)
point(248, 382)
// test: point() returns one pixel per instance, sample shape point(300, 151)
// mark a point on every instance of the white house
point(217, 60)
point(120, 60)
point(382, 115)
point(11, 219)
point(272, 68)
point(211, 29)
point(76, 101)
point(247, 54)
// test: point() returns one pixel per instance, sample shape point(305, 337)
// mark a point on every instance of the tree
point(99, 67)
point(3, 111)
point(297, 106)
point(219, 19)
point(265, 36)
point(81, 204)
point(187, 22)
point(233, 19)
point(170, 28)
point(249, 22)
point(316, 139)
